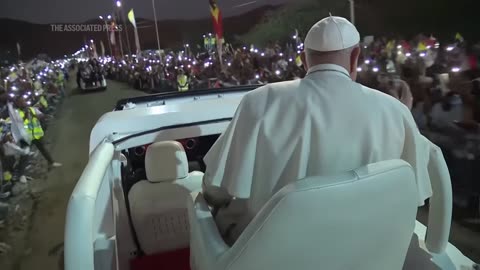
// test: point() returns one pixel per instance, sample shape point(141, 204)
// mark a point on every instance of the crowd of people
point(439, 83)
point(418, 71)
point(437, 80)
point(203, 69)
point(29, 95)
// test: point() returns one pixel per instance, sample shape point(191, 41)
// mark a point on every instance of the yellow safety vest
point(37, 85)
point(13, 76)
point(32, 124)
point(422, 47)
point(43, 102)
point(7, 176)
point(298, 61)
point(458, 37)
point(60, 79)
point(182, 81)
point(391, 45)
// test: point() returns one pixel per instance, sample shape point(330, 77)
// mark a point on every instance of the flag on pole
point(217, 20)
point(218, 27)
point(19, 51)
point(102, 48)
point(298, 40)
point(131, 18)
point(94, 48)
point(112, 33)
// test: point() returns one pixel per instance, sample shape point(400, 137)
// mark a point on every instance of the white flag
point(95, 54)
point(19, 49)
point(102, 48)
point(18, 129)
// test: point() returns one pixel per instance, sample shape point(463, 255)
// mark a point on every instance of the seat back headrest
point(362, 219)
point(166, 162)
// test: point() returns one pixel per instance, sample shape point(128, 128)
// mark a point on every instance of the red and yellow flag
point(217, 19)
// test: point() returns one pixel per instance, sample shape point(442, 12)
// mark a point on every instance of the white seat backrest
point(166, 162)
point(158, 205)
point(361, 220)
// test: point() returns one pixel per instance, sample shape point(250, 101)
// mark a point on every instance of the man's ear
point(354, 57)
point(354, 62)
point(304, 60)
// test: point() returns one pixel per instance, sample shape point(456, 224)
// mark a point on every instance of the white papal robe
point(320, 125)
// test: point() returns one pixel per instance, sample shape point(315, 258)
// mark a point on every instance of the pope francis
point(322, 124)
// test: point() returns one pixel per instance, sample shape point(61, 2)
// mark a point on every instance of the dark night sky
point(76, 11)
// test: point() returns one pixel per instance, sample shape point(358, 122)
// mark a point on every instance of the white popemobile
point(135, 206)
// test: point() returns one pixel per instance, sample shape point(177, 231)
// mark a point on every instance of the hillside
point(36, 38)
point(407, 18)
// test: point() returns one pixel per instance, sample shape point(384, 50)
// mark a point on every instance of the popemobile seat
point(363, 220)
point(158, 205)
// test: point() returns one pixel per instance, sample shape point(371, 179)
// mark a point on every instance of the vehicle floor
point(69, 137)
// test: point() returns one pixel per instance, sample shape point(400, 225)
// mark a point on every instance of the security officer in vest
point(31, 121)
point(206, 42)
point(182, 81)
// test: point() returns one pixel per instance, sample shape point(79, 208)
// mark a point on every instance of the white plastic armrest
point(206, 243)
point(440, 210)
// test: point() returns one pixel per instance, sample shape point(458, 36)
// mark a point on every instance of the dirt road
point(69, 137)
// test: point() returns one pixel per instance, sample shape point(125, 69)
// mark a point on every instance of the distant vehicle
point(90, 80)
point(87, 85)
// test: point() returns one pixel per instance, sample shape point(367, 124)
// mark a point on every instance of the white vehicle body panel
point(97, 234)
point(174, 112)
